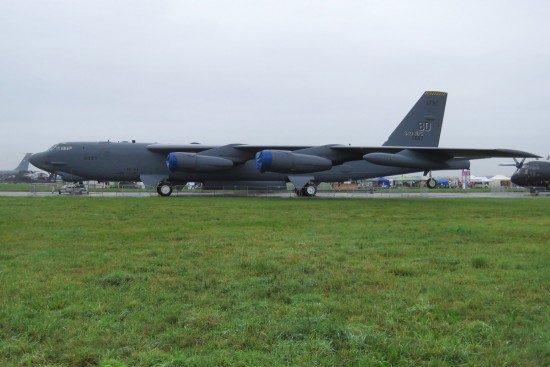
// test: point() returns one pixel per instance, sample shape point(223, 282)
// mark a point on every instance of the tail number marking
point(423, 128)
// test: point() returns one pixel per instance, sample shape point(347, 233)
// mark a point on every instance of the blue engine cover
point(264, 159)
point(172, 162)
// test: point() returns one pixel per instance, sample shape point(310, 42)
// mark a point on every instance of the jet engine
point(192, 162)
point(408, 159)
point(398, 160)
point(284, 161)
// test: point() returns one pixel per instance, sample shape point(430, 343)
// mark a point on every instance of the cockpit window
point(61, 147)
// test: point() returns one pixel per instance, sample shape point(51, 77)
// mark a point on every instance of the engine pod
point(192, 162)
point(284, 161)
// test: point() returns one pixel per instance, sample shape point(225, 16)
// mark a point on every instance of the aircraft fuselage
point(125, 161)
point(533, 174)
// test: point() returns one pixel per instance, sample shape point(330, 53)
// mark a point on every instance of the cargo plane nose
point(520, 179)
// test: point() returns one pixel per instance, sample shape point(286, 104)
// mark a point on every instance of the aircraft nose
point(39, 160)
point(518, 179)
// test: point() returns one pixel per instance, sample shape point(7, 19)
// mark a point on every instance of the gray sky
point(272, 72)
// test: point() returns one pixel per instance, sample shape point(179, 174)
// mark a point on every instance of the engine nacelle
point(415, 160)
point(284, 161)
point(192, 162)
point(397, 160)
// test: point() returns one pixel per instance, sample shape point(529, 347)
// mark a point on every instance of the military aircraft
point(412, 147)
point(20, 171)
point(534, 175)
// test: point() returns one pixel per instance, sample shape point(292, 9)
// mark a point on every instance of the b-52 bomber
point(412, 147)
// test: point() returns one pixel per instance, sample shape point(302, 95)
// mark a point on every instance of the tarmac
point(289, 194)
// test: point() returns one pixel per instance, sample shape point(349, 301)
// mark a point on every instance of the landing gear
point(165, 188)
point(430, 182)
point(308, 190)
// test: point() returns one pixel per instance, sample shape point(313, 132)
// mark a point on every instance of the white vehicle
point(73, 189)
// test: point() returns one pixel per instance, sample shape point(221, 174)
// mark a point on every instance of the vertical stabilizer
point(24, 165)
point(422, 125)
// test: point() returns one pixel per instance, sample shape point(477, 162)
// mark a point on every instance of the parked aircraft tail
point(24, 164)
point(422, 125)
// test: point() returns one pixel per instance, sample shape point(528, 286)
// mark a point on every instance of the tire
point(165, 188)
point(310, 190)
point(431, 183)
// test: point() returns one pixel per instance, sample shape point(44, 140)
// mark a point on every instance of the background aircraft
point(534, 175)
point(19, 172)
point(412, 147)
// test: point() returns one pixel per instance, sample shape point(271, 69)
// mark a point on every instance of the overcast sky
point(272, 72)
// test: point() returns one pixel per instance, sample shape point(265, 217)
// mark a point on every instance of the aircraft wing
point(468, 153)
point(188, 148)
point(196, 148)
point(484, 153)
point(427, 158)
point(319, 158)
point(300, 159)
point(352, 152)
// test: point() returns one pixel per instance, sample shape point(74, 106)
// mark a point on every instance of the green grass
point(267, 282)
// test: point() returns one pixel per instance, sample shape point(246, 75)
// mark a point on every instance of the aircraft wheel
point(310, 190)
point(165, 188)
point(431, 183)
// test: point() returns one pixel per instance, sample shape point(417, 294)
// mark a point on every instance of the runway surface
point(323, 195)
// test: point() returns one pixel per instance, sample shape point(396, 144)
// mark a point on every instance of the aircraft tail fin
point(421, 127)
point(24, 164)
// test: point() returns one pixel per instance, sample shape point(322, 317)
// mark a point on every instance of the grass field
point(268, 282)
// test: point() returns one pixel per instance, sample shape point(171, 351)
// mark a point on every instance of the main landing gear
point(165, 188)
point(430, 182)
point(308, 190)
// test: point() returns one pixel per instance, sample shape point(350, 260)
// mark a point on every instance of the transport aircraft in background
point(411, 147)
point(20, 171)
point(534, 175)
